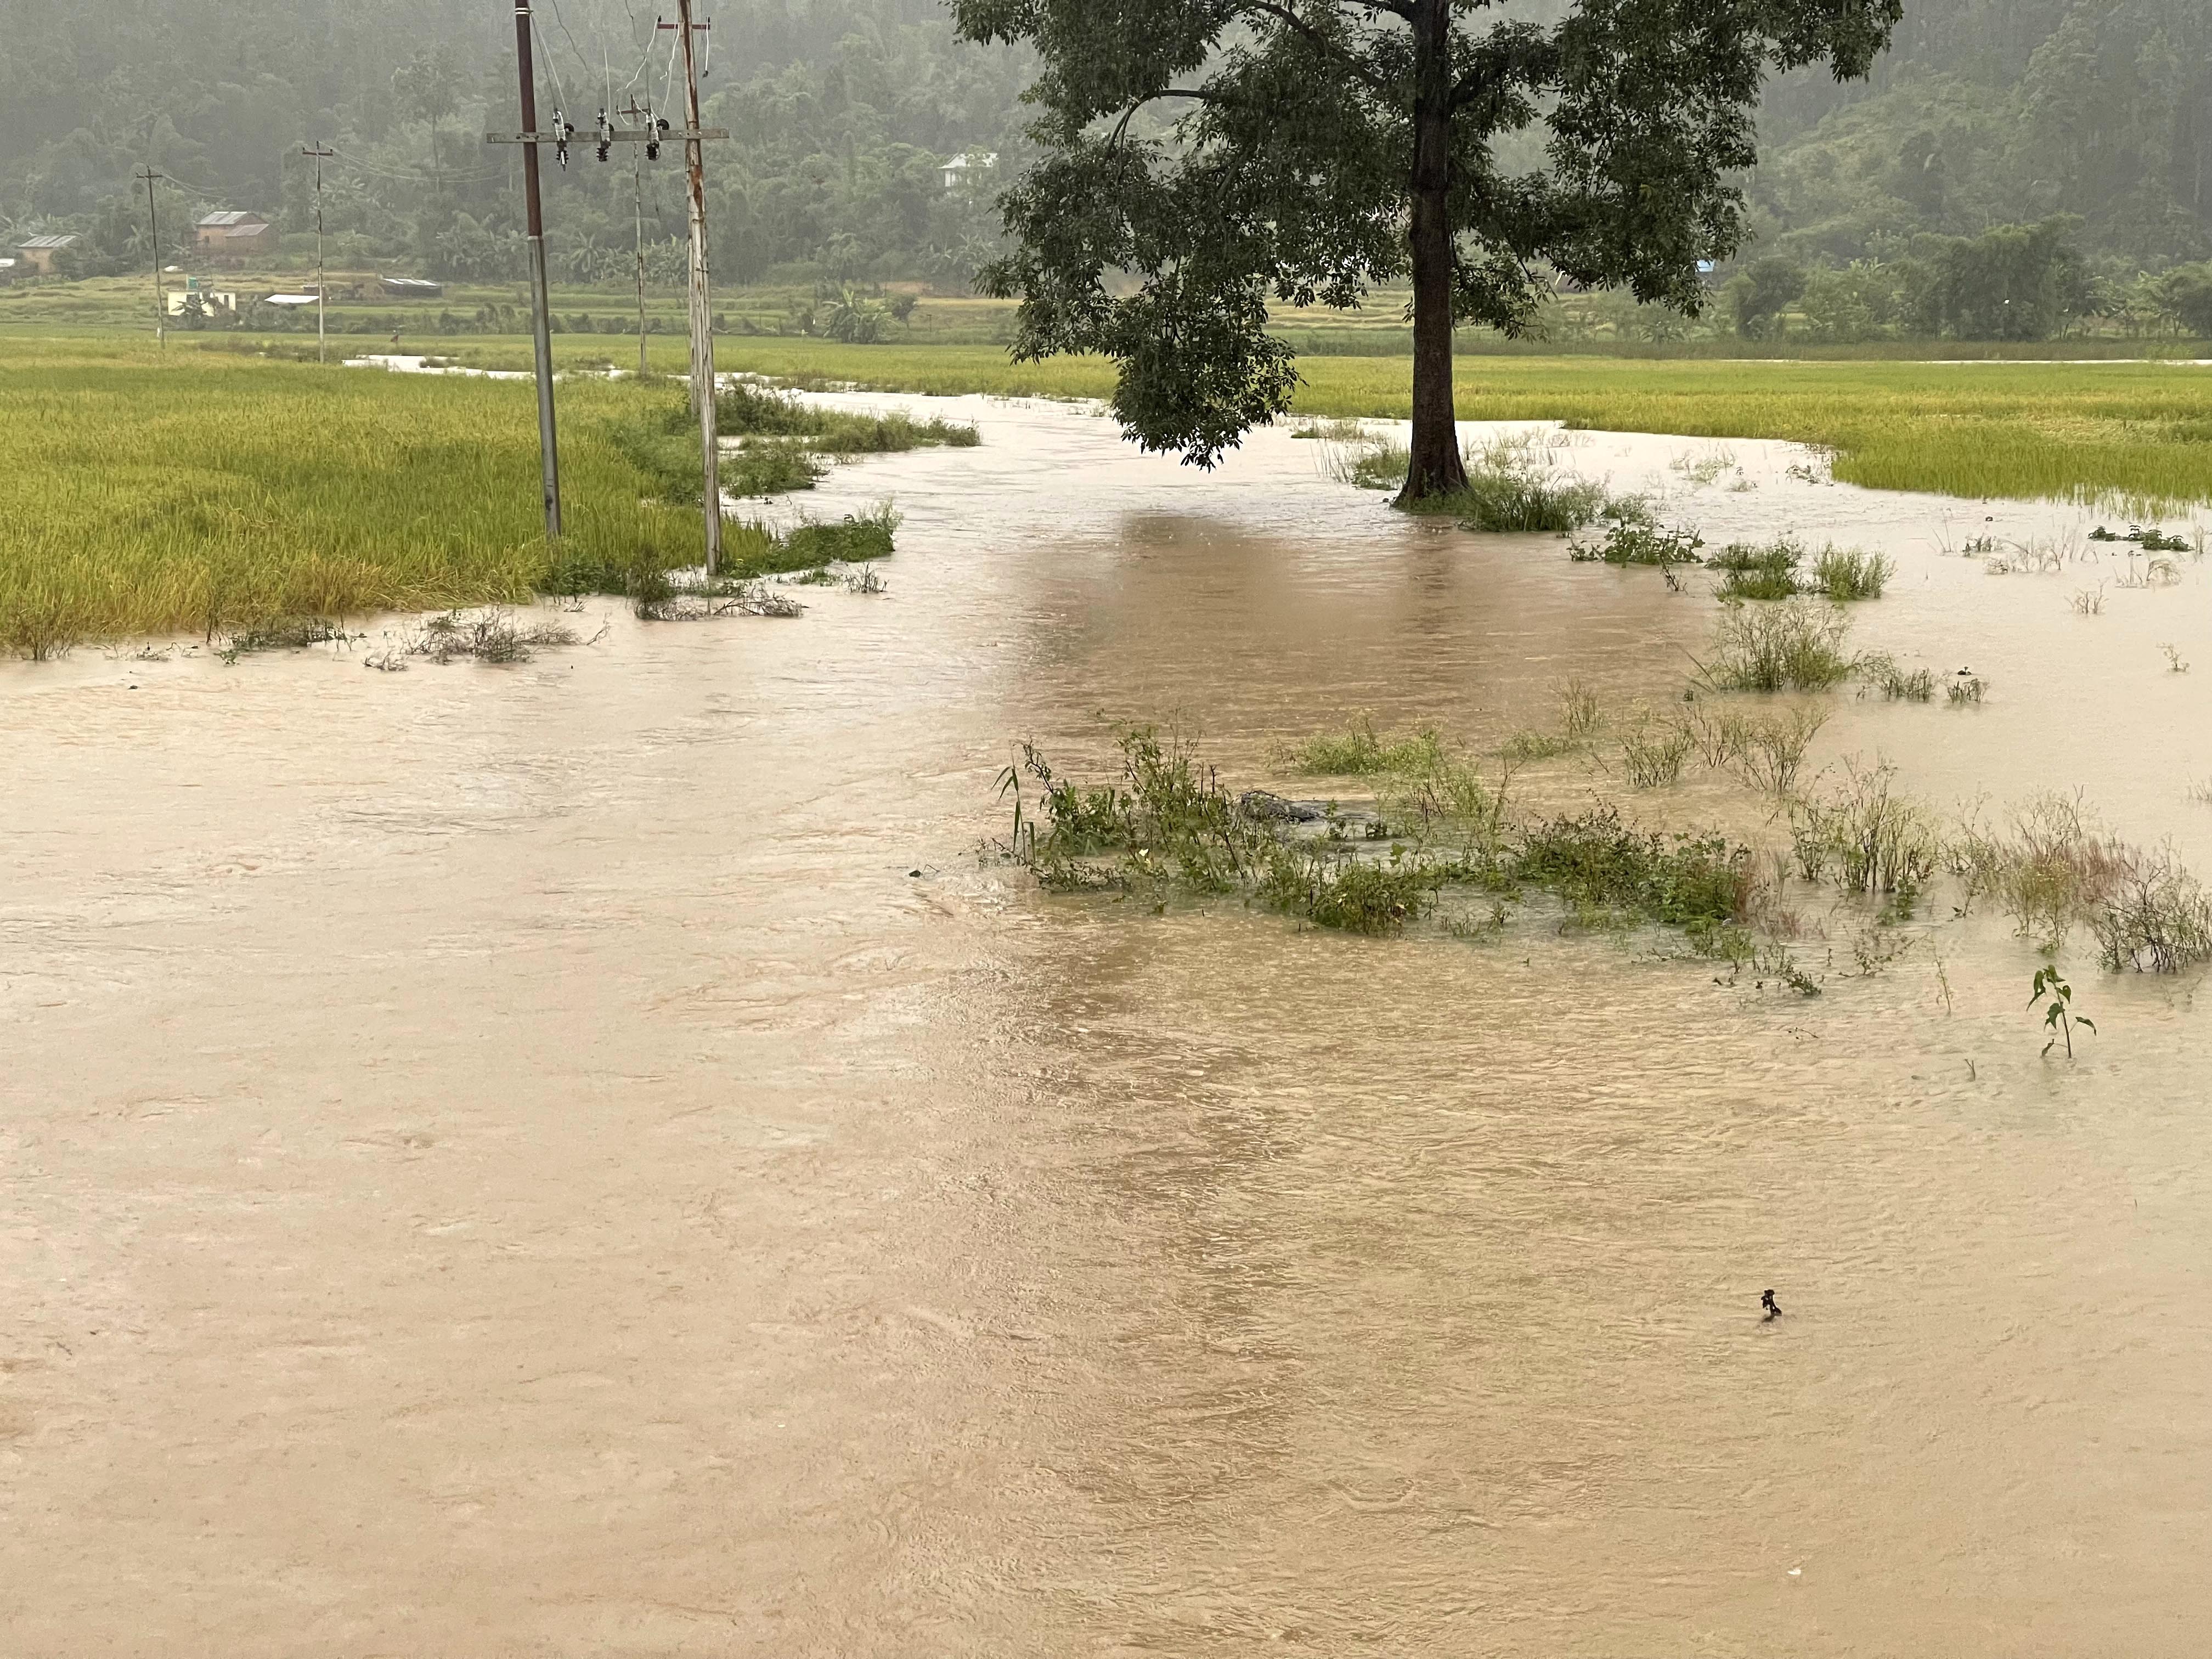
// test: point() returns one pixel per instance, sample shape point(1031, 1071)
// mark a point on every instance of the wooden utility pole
point(703, 321)
point(160, 295)
point(322, 283)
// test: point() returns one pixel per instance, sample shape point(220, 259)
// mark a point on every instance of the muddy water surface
point(509, 1161)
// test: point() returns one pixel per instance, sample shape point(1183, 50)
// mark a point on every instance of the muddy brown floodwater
point(506, 1161)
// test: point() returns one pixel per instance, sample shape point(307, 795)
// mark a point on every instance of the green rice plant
point(1877, 671)
point(743, 410)
point(1795, 645)
point(1843, 574)
point(1652, 753)
point(1359, 750)
point(1865, 835)
point(769, 468)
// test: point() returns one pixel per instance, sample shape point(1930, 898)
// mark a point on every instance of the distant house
point(40, 252)
point(410, 287)
point(970, 164)
point(10, 269)
point(234, 235)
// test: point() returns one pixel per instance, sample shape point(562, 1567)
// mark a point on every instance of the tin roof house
point(234, 235)
point(39, 252)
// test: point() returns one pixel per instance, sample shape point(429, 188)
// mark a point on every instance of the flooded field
point(585, 1158)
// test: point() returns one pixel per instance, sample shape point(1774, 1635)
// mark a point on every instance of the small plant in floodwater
point(1965, 690)
point(2175, 663)
point(1793, 647)
point(1633, 541)
point(2088, 601)
point(1771, 751)
point(1877, 671)
point(492, 636)
point(1866, 837)
point(1652, 753)
point(1845, 575)
point(286, 634)
point(1581, 713)
point(1764, 570)
point(2157, 919)
point(2059, 1018)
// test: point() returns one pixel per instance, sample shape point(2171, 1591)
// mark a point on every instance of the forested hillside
point(842, 113)
point(2010, 165)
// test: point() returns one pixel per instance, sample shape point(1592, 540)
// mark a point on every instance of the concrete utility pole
point(541, 326)
point(561, 136)
point(703, 321)
point(632, 111)
point(161, 296)
point(322, 283)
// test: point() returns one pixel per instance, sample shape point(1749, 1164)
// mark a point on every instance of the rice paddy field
point(144, 492)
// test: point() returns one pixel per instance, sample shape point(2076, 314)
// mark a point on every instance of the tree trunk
point(1437, 469)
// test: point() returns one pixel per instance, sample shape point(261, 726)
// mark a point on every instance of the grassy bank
point(200, 491)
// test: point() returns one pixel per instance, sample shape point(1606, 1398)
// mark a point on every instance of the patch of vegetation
point(1167, 826)
point(1370, 463)
point(1865, 835)
point(1359, 750)
point(1795, 645)
point(1966, 690)
point(283, 634)
point(1843, 574)
point(1760, 570)
point(492, 636)
point(2157, 920)
point(1635, 540)
point(1652, 753)
point(1511, 490)
point(754, 549)
point(1880, 672)
point(2050, 867)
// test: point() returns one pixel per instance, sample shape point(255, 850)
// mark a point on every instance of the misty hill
point(1987, 113)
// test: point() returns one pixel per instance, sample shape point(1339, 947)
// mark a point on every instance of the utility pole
point(322, 283)
point(561, 135)
point(632, 111)
point(541, 327)
point(703, 321)
point(161, 298)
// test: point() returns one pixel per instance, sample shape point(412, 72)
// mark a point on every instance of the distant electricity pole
point(322, 283)
point(161, 298)
point(703, 321)
point(541, 327)
point(560, 136)
point(632, 111)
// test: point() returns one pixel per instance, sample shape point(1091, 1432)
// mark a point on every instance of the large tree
point(1318, 148)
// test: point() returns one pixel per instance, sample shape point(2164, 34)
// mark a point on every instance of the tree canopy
point(1319, 149)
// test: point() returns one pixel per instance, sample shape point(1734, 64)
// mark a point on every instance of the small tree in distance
point(1330, 146)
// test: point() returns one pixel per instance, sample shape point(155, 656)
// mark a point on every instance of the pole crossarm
point(619, 136)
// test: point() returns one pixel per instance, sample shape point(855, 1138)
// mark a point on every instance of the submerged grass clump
point(1795, 645)
point(1877, 671)
point(1511, 489)
point(1770, 570)
point(1359, 750)
point(1167, 824)
point(755, 550)
point(1865, 835)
